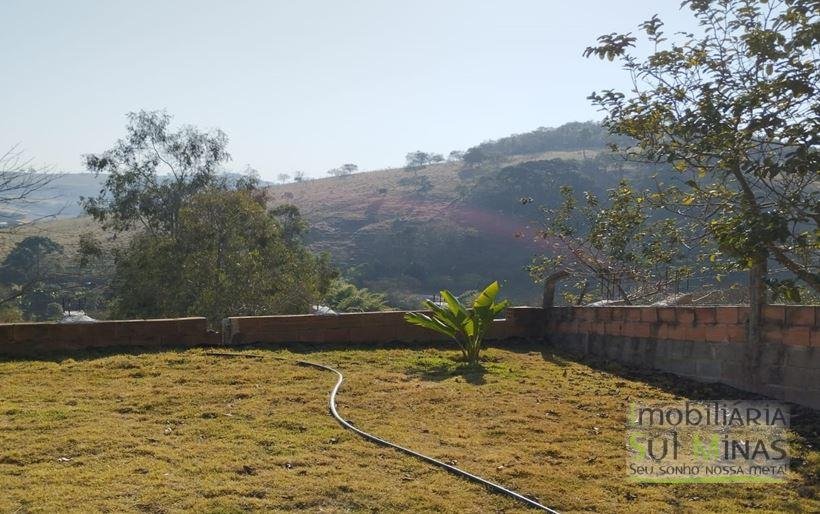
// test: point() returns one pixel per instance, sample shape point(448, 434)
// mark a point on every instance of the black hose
point(378, 440)
point(452, 469)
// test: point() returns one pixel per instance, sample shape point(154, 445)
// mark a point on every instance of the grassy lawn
point(180, 430)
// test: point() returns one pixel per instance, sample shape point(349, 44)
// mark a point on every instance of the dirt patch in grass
point(180, 431)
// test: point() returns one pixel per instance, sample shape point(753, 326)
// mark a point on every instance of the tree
point(735, 111)
point(622, 247)
point(229, 257)
point(342, 296)
point(475, 156)
point(419, 159)
point(298, 176)
point(152, 171)
point(27, 273)
point(455, 155)
point(20, 181)
point(343, 170)
point(283, 177)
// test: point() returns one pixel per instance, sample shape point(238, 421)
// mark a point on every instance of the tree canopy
point(736, 111)
point(229, 257)
point(152, 171)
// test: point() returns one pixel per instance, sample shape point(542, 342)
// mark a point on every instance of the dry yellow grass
point(176, 431)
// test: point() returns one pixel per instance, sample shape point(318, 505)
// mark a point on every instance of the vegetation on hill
point(575, 136)
point(409, 233)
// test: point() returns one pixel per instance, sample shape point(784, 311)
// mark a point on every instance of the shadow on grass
point(804, 421)
point(439, 369)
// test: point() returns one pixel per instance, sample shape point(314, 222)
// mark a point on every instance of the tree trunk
point(548, 300)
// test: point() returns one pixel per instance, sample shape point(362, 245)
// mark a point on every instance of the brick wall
point(25, 339)
point(703, 343)
point(365, 327)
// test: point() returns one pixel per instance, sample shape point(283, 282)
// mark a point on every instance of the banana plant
point(466, 326)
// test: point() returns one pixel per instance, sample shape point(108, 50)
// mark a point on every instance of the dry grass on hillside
point(177, 431)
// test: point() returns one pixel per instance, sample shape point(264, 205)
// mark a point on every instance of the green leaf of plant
point(487, 296)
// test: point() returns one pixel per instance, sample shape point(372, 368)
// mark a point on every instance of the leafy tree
point(505, 190)
point(568, 137)
point(283, 177)
point(26, 272)
point(290, 221)
point(229, 257)
point(343, 171)
point(32, 277)
point(419, 159)
point(152, 171)
point(735, 111)
point(623, 246)
point(467, 327)
point(475, 156)
point(298, 176)
point(455, 155)
point(342, 296)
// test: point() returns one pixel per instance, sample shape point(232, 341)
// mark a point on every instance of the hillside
point(411, 232)
point(447, 225)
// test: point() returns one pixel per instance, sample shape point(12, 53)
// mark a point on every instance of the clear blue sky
point(305, 84)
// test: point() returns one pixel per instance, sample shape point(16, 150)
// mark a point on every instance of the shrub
point(466, 326)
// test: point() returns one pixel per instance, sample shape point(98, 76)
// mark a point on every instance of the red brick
point(649, 314)
point(774, 314)
point(743, 315)
point(585, 314)
point(585, 327)
point(772, 334)
point(632, 313)
point(705, 315)
point(727, 315)
point(663, 331)
point(191, 326)
point(643, 330)
point(717, 333)
point(603, 314)
point(695, 333)
point(30, 332)
point(737, 333)
point(798, 336)
point(800, 316)
point(619, 313)
point(685, 314)
point(614, 328)
point(667, 314)
point(377, 334)
point(337, 335)
point(815, 337)
point(6, 334)
point(275, 336)
point(311, 336)
point(677, 332)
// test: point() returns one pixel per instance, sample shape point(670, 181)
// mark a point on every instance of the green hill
point(451, 225)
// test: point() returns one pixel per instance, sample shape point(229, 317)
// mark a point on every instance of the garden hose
point(370, 437)
point(452, 469)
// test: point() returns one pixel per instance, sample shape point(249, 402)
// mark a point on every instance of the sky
point(305, 85)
